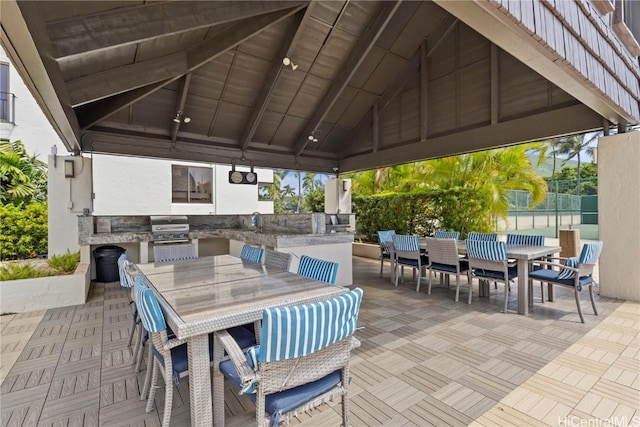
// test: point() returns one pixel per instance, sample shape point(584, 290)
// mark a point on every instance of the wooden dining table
point(213, 293)
point(522, 254)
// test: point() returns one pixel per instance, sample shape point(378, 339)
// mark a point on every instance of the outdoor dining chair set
point(324, 365)
point(487, 259)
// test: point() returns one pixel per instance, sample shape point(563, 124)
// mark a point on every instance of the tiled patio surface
point(424, 360)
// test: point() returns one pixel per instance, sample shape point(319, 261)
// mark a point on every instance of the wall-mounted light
point(288, 63)
point(69, 171)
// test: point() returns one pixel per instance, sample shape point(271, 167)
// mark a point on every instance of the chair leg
point(577, 293)
point(429, 288)
point(470, 287)
point(506, 296)
point(134, 323)
point(139, 336)
point(593, 302)
point(345, 397)
point(419, 277)
point(457, 286)
point(154, 386)
point(147, 377)
point(139, 355)
point(381, 265)
point(168, 399)
point(542, 292)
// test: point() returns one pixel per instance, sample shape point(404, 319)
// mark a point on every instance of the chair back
point(406, 246)
point(440, 234)
point(487, 255)
point(174, 252)
point(291, 332)
point(278, 260)
point(485, 237)
point(590, 253)
point(443, 251)
point(149, 310)
point(251, 253)
point(318, 269)
point(585, 263)
point(523, 239)
point(125, 279)
point(384, 237)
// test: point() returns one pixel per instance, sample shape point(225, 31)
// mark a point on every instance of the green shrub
point(23, 231)
point(421, 212)
point(21, 271)
point(65, 263)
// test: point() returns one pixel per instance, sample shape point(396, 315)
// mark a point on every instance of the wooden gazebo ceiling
point(120, 72)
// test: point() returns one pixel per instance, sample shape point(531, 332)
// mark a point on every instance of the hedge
point(421, 212)
point(23, 231)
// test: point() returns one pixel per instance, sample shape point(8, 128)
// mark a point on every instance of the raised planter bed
point(366, 250)
point(41, 293)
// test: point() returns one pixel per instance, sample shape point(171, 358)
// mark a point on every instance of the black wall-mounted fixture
point(69, 169)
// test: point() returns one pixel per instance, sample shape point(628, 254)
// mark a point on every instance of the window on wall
point(191, 184)
point(626, 24)
point(5, 96)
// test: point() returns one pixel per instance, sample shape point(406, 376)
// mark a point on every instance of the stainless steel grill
point(169, 229)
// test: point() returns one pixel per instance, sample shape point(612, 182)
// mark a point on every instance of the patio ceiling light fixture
point(181, 118)
point(287, 62)
point(312, 138)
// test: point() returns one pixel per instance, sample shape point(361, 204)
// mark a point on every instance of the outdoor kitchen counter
point(275, 239)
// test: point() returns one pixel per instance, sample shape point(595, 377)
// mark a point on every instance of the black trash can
point(107, 263)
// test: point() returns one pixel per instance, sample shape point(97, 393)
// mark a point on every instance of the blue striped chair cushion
point(492, 251)
point(523, 239)
point(385, 236)
point(590, 252)
point(251, 253)
point(297, 331)
point(123, 260)
point(403, 242)
point(149, 309)
point(487, 237)
point(439, 234)
point(566, 273)
point(318, 269)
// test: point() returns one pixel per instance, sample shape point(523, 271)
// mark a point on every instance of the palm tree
point(23, 178)
point(573, 146)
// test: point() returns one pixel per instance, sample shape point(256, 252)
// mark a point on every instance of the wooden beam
point(195, 57)
point(356, 57)
point(181, 99)
point(537, 127)
point(292, 35)
point(424, 91)
point(128, 77)
point(127, 25)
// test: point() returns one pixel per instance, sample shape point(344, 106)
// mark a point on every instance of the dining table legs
point(199, 381)
point(523, 285)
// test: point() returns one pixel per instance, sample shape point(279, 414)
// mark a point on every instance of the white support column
point(619, 215)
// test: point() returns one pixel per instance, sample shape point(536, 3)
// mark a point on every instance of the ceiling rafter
point(132, 76)
point(181, 99)
point(124, 26)
point(194, 58)
point(292, 35)
point(349, 68)
point(444, 28)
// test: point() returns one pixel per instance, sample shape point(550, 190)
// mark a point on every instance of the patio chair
point(440, 234)
point(251, 253)
point(318, 269)
point(407, 253)
point(167, 354)
point(278, 260)
point(485, 237)
point(126, 281)
point(488, 261)
point(444, 259)
point(385, 237)
point(302, 361)
point(576, 273)
point(174, 252)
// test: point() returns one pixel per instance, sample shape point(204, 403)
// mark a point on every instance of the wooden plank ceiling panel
point(264, 44)
point(305, 52)
point(326, 11)
point(560, 97)
point(309, 96)
point(290, 126)
point(60, 10)
point(368, 66)
point(472, 47)
point(442, 105)
point(288, 85)
point(421, 23)
point(200, 109)
point(167, 45)
point(246, 79)
point(356, 16)
point(360, 106)
point(442, 61)
point(521, 89)
point(208, 80)
point(157, 110)
point(333, 137)
point(333, 54)
point(409, 113)
point(475, 94)
point(397, 24)
point(384, 73)
point(342, 103)
point(389, 120)
point(230, 120)
point(267, 127)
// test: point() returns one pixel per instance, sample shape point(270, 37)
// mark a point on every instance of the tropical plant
point(23, 178)
point(65, 263)
point(23, 231)
point(16, 271)
point(573, 146)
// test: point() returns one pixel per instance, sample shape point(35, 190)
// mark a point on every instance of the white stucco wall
point(31, 125)
point(142, 186)
point(619, 215)
point(67, 198)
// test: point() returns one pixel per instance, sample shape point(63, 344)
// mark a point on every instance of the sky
point(293, 181)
